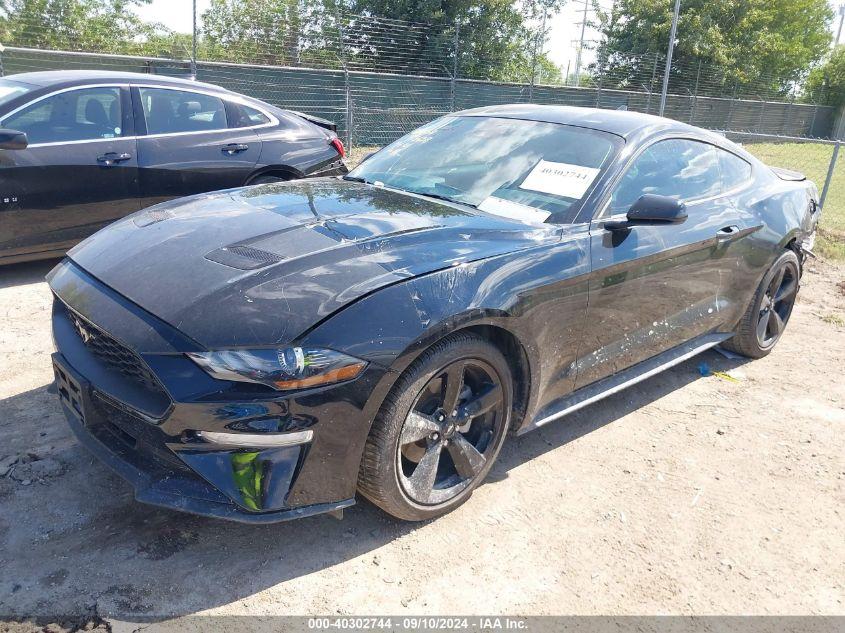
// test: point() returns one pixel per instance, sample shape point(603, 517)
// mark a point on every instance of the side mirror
point(651, 209)
point(12, 139)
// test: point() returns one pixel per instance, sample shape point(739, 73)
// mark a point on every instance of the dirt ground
point(683, 495)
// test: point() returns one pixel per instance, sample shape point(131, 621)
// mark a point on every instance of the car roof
point(63, 78)
point(619, 122)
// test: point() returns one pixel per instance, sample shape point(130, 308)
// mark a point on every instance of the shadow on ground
point(26, 273)
point(75, 541)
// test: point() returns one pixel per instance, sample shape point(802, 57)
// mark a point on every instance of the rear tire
point(439, 429)
point(264, 180)
point(764, 321)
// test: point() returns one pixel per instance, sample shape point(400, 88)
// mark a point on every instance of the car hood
point(261, 265)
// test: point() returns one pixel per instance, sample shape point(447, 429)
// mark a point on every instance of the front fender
point(538, 296)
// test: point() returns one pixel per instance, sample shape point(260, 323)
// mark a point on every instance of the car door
point(655, 287)
point(77, 174)
point(186, 144)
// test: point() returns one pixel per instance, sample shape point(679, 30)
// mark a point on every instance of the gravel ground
point(684, 495)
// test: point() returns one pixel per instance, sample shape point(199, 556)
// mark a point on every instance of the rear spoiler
point(324, 123)
point(788, 174)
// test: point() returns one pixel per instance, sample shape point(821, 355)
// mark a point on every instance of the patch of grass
point(833, 319)
point(830, 244)
point(357, 155)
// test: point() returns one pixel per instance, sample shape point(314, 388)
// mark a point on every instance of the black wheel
point(763, 323)
point(439, 431)
point(263, 180)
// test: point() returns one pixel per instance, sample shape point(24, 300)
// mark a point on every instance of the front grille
point(133, 432)
point(114, 354)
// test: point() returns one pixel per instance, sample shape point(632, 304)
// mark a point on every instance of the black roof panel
point(619, 122)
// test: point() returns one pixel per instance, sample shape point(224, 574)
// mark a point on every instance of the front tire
point(439, 430)
point(764, 321)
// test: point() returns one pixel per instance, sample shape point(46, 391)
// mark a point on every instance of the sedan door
point(78, 173)
point(187, 146)
point(655, 287)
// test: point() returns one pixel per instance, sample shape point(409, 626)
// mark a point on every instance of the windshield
point(11, 90)
point(526, 170)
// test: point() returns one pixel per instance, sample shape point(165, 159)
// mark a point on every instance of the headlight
point(289, 368)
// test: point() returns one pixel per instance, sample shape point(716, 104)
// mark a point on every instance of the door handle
point(234, 148)
point(112, 158)
point(727, 232)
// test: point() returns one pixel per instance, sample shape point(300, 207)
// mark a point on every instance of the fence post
point(731, 107)
point(829, 178)
point(651, 85)
point(813, 120)
point(347, 119)
point(2, 71)
point(788, 123)
point(695, 95)
point(540, 36)
point(664, 94)
point(456, 47)
point(194, 41)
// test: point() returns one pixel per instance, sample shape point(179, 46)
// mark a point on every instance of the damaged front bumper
point(186, 441)
point(222, 479)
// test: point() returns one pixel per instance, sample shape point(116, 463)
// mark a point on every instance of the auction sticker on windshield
point(560, 179)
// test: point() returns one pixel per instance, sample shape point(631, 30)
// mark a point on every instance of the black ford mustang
point(80, 149)
point(263, 353)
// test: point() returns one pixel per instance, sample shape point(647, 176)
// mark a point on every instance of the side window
point(245, 116)
point(170, 111)
point(75, 115)
point(735, 171)
point(678, 168)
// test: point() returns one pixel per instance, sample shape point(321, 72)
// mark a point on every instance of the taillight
point(338, 145)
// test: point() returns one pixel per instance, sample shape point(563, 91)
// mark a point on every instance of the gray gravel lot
point(685, 494)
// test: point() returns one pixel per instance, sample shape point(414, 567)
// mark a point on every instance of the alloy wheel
point(448, 435)
point(776, 305)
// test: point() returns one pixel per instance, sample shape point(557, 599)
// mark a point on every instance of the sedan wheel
point(440, 429)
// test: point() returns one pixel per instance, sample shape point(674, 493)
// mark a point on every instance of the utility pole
point(841, 20)
point(581, 44)
point(669, 56)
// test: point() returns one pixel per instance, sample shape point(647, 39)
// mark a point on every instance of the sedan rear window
point(245, 116)
point(527, 170)
point(172, 111)
point(12, 90)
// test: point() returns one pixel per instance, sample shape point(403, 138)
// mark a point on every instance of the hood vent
point(152, 216)
point(243, 257)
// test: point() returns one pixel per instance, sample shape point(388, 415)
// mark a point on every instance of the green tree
point(763, 45)
point(108, 26)
point(264, 32)
point(826, 83)
point(496, 37)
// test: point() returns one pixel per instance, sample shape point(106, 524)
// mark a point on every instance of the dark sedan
point(265, 353)
point(80, 149)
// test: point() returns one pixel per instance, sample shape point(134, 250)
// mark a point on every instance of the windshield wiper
point(357, 179)
point(440, 196)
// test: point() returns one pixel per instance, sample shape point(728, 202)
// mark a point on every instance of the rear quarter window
point(735, 170)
